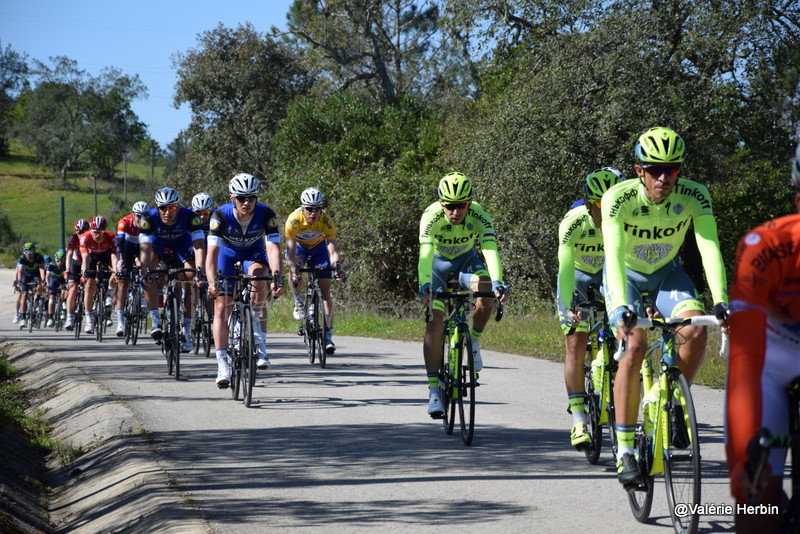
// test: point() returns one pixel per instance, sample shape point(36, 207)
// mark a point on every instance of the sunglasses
point(168, 209)
point(312, 209)
point(456, 206)
point(657, 170)
point(203, 212)
point(246, 198)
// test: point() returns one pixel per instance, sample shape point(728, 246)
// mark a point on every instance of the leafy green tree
point(71, 117)
point(13, 71)
point(387, 48)
point(238, 84)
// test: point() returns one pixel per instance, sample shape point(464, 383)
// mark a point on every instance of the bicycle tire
point(233, 351)
point(682, 470)
point(640, 498)
point(175, 332)
point(197, 323)
point(467, 385)
point(448, 381)
point(608, 396)
point(311, 328)
point(79, 313)
point(322, 354)
point(99, 313)
point(208, 324)
point(31, 310)
point(593, 403)
point(58, 323)
point(130, 312)
point(247, 352)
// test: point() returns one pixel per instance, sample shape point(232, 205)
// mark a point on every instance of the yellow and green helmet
point(660, 145)
point(455, 187)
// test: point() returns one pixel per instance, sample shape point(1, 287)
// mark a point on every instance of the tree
point(13, 71)
point(389, 48)
point(70, 116)
point(238, 84)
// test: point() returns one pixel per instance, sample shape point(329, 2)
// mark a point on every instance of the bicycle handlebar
point(669, 323)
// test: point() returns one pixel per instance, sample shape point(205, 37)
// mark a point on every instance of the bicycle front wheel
point(78, 314)
point(248, 357)
point(447, 386)
point(233, 350)
point(682, 456)
point(175, 333)
point(321, 352)
point(468, 383)
point(99, 314)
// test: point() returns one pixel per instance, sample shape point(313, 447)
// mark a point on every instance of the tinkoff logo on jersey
point(655, 232)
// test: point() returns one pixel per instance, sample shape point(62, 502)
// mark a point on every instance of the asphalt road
point(351, 447)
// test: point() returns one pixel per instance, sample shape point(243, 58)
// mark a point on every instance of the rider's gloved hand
point(721, 311)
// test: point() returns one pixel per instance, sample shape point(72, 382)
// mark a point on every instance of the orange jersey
point(90, 246)
point(765, 317)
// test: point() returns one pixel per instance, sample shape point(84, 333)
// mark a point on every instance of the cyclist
point(448, 231)
point(237, 233)
point(644, 224)
point(580, 263)
point(30, 268)
point(170, 234)
point(311, 239)
point(74, 265)
point(97, 254)
point(56, 282)
point(765, 336)
point(203, 206)
point(127, 244)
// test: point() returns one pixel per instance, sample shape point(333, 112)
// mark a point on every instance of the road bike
point(59, 306)
point(31, 306)
point(458, 381)
point(101, 311)
point(758, 453)
point(202, 322)
point(242, 342)
point(666, 440)
point(315, 322)
point(135, 310)
point(599, 369)
point(171, 318)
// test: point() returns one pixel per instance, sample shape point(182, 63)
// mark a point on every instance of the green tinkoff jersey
point(645, 236)
point(580, 246)
point(438, 236)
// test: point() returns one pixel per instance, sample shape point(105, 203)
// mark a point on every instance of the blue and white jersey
point(153, 230)
point(227, 232)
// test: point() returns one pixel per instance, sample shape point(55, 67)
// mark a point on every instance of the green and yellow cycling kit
point(438, 236)
point(580, 246)
point(644, 236)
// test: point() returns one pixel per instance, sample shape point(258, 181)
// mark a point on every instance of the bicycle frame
point(313, 331)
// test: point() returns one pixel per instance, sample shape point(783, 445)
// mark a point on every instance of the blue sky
point(135, 37)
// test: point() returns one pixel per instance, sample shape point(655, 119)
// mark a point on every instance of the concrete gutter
point(105, 475)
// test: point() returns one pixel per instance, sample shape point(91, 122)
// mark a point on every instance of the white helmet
point(202, 201)
point(141, 207)
point(243, 184)
point(167, 197)
point(311, 197)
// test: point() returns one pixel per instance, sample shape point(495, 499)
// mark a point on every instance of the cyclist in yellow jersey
point(644, 224)
point(311, 239)
point(580, 263)
point(448, 231)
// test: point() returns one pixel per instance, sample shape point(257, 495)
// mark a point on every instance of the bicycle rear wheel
point(57, 313)
point(593, 426)
point(248, 357)
point(468, 383)
point(79, 314)
point(641, 497)
point(682, 458)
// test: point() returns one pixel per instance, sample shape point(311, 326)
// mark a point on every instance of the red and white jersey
point(90, 246)
point(128, 229)
point(74, 247)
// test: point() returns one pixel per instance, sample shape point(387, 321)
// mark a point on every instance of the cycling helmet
point(46, 258)
point(81, 225)
point(167, 196)
point(311, 197)
point(659, 145)
point(98, 223)
point(455, 187)
point(243, 184)
point(28, 247)
point(60, 255)
point(202, 201)
point(141, 207)
point(796, 168)
point(600, 181)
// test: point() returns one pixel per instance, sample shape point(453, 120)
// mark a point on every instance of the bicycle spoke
point(467, 386)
